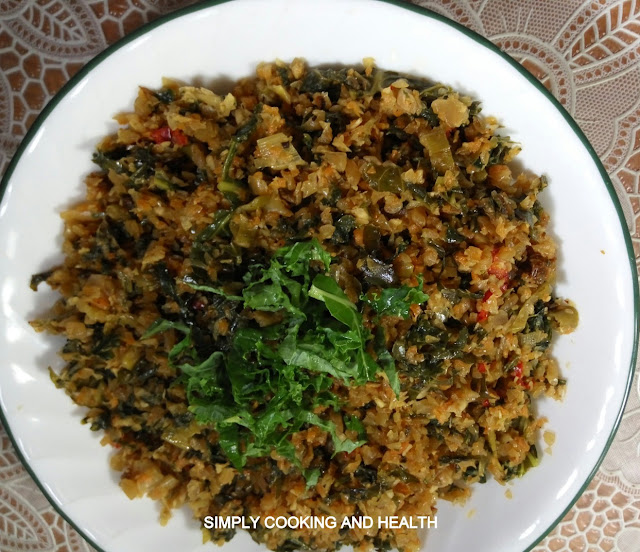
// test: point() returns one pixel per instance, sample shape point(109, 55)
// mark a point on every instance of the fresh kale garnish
point(396, 301)
point(388, 364)
point(276, 380)
point(326, 289)
point(190, 281)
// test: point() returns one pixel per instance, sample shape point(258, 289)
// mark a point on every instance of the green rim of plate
point(94, 62)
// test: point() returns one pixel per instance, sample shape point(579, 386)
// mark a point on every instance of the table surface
point(586, 52)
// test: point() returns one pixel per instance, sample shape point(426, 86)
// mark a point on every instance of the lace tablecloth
point(586, 52)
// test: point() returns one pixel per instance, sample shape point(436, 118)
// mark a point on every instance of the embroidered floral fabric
point(586, 52)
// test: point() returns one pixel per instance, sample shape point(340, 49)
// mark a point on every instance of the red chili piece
point(486, 403)
point(483, 315)
point(162, 134)
point(501, 273)
point(482, 368)
point(518, 370)
point(487, 296)
point(179, 138)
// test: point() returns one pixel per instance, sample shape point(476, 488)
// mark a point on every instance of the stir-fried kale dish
point(326, 293)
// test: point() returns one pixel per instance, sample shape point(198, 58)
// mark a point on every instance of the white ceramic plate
point(225, 41)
